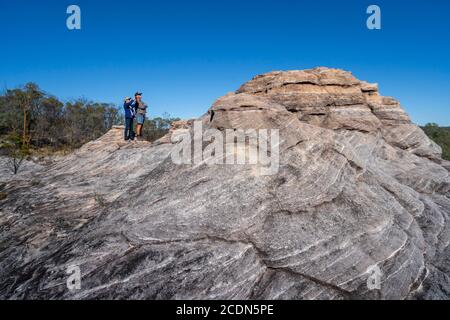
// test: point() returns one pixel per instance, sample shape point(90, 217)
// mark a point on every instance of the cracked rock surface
point(358, 186)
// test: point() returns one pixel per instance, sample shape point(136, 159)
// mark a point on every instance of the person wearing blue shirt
point(130, 112)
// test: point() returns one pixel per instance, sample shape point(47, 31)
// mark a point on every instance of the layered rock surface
point(358, 186)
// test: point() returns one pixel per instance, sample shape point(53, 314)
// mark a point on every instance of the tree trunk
point(24, 136)
point(15, 166)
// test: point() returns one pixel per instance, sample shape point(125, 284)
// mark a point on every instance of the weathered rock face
point(359, 186)
point(335, 99)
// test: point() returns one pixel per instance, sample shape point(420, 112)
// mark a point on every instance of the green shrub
point(100, 199)
point(441, 136)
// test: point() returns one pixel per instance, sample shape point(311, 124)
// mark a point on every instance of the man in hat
point(141, 110)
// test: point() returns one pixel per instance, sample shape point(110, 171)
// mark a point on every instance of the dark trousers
point(129, 131)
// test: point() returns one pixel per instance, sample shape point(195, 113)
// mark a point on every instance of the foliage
point(16, 151)
point(100, 200)
point(44, 122)
point(157, 127)
point(441, 136)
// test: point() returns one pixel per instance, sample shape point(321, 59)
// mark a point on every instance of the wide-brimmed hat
point(138, 93)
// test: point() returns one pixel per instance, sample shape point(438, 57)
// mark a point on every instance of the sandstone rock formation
point(358, 186)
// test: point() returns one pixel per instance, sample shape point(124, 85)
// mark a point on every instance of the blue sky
point(185, 54)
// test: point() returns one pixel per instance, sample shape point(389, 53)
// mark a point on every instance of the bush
point(441, 136)
point(41, 120)
point(48, 125)
point(100, 200)
point(157, 127)
point(16, 151)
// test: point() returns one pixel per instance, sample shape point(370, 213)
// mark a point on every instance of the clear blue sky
point(185, 54)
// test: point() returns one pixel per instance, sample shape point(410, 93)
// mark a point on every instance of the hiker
point(129, 118)
point(141, 109)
